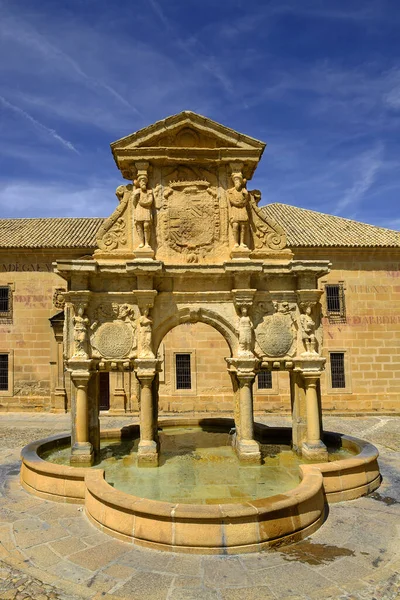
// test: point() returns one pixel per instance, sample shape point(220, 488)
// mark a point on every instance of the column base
point(248, 451)
point(147, 455)
point(82, 454)
point(316, 452)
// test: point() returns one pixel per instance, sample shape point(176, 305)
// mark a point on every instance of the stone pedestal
point(148, 444)
point(145, 253)
point(82, 450)
point(240, 252)
point(313, 448)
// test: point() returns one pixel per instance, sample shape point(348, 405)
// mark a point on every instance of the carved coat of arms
point(192, 217)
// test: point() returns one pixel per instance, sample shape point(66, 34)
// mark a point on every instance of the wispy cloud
point(366, 168)
point(51, 132)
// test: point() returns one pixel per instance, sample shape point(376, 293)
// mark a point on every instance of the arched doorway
point(194, 375)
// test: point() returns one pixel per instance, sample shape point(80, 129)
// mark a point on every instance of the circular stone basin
point(197, 466)
point(200, 499)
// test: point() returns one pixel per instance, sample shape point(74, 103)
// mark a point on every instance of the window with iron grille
point(3, 372)
point(335, 302)
point(338, 379)
point(264, 380)
point(183, 372)
point(5, 303)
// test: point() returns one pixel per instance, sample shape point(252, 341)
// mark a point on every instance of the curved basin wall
point(223, 528)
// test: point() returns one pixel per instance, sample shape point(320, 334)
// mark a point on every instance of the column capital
point(81, 378)
point(146, 369)
point(242, 366)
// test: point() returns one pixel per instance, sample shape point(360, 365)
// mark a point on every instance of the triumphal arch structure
point(188, 242)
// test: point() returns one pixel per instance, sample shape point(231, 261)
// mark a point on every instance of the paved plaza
point(51, 551)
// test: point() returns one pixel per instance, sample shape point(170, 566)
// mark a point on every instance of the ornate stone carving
point(58, 298)
point(275, 334)
point(238, 202)
point(112, 234)
point(113, 340)
point(188, 206)
point(143, 200)
point(245, 334)
point(145, 335)
point(308, 327)
point(267, 233)
point(81, 333)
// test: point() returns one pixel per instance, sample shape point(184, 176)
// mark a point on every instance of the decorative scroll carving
point(275, 334)
point(267, 233)
point(308, 327)
point(189, 205)
point(112, 234)
point(58, 298)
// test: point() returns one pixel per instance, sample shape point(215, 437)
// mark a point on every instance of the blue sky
point(318, 81)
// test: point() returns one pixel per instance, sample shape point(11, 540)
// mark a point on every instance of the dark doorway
point(104, 391)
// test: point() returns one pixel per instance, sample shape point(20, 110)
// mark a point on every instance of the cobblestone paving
point(50, 550)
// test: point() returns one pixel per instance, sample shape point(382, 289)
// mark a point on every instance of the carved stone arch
point(197, 315)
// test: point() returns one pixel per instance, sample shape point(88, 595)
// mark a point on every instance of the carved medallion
point(274, 335)
point(58, 298)
point(192, 219)
point(113, 340)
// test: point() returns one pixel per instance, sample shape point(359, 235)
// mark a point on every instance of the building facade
point(357, 327)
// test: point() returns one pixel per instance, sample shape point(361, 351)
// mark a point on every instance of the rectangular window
point(264, 380)
point(5, 304)
point(183, 372)
point(338, 379)
point(335, 302)
point(3, 372)
point(4, 299)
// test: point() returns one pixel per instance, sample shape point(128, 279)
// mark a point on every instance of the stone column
point(299, 415)
point(82, 450)
point(148, 444)
point(313, 448)
point(246, 446)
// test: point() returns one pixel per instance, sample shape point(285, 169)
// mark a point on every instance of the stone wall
point(369, 337)
point(27, 335)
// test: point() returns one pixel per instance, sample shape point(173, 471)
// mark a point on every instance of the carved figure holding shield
point(143, 201)
point(238, 198)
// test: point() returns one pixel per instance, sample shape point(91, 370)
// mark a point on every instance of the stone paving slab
point(50, 551)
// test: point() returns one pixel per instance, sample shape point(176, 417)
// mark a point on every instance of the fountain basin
point(217, 528)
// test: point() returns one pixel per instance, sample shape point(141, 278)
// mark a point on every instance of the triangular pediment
point(187, 130)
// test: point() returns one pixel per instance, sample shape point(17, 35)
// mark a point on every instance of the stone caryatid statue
point(81, 334)
point(143, 200)
point(308, 328)
point(238, 199)
point(245, 334)
point(145, 335)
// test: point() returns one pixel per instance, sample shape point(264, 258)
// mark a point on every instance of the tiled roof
point(49, 233)
point(304, 228)
point(308, 228)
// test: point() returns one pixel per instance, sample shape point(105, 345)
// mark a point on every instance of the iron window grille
point(5, 304)
point(3, 372)
point(338, 379)
point(183, 372)
point(264, 380)
point(335, 302)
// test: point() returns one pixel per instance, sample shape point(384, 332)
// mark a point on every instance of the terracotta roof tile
point(305, 228)
point(49, 233)
point(308, 228)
